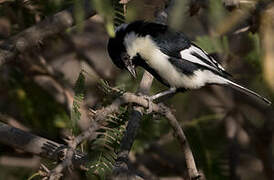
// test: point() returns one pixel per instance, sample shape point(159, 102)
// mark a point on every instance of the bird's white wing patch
point(188, 54)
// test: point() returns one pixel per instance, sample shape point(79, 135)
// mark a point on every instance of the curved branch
point(46, 148)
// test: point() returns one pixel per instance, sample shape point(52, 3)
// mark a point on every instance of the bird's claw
point(150, 102)
point(150, 105)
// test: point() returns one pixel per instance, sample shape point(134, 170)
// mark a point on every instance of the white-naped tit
point(169, 56)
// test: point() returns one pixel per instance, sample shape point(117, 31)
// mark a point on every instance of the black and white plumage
point(169, 56)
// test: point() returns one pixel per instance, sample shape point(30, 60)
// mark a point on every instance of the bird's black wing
point(177, 45)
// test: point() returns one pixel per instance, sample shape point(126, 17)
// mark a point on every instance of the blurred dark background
point(230, 134)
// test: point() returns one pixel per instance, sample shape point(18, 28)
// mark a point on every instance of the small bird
point(169, 56)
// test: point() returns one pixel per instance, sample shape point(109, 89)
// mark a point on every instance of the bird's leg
point(150, 99)
point(163, 93)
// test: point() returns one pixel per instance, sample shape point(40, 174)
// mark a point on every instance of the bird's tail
point(247, 91)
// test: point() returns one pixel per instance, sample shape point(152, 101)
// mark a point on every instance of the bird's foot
point(150, 102)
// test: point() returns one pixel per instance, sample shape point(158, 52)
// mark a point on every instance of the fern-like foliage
point(110, 92)
point(119, 12)
point(113, 12)
point(105, 147)
point(79, 91)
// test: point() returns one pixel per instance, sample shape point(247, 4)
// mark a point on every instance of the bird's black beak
point(131, 69)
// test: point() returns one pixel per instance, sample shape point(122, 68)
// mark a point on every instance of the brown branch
point(36, 145)
point(46, 148)
point(121, 164)
point(34, 35)
point(56, 173)
point(166, 112)
point(161, 109)
point(179, 133)
point(98, 118)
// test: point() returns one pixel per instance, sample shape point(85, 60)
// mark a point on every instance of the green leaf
point(34, 175)
point(119, 14)
point(104, 148)
point(79, 91)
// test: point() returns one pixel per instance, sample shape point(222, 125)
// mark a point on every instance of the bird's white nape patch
point(144, 45)
point(188, 55)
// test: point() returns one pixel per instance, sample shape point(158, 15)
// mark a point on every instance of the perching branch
point(166, 112)
point(35, 35)
point(121, 164)
point(45, 148)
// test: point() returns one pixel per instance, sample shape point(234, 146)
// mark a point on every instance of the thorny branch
point(162, 110)
point(49, 149)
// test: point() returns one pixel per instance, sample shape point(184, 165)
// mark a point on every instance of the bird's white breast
point(154, 57)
